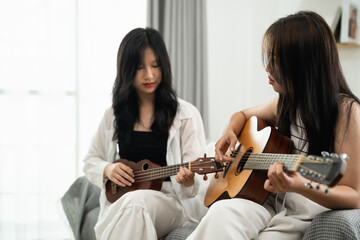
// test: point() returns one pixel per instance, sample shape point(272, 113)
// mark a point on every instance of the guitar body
point(114, 192)
point(256, 137)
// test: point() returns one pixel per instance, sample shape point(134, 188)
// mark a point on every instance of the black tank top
point(144, 145)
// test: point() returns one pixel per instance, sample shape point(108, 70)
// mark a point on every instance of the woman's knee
point(229, 206)
point(135, 198)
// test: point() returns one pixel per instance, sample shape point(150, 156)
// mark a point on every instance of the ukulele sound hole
point(146, 166)
point(243, 160)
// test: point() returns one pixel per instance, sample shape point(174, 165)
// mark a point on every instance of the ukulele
point(149, 175)
point(259, 147)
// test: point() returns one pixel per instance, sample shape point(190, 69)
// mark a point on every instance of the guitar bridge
point(113, 188)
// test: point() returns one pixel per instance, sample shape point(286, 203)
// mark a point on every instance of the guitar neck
point(262, 161)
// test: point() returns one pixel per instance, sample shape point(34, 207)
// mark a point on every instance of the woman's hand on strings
point(185, 177)
point(119, 174)
point(227, 141)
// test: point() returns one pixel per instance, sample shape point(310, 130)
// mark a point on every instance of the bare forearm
point(338, 197)
point(236, 123)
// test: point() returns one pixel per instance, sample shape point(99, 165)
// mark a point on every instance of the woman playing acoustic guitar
point(146, 121)
point(318, 111)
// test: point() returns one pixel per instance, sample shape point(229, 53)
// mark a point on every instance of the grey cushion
point(335, 224)
point(81, 207)
point(88, 224)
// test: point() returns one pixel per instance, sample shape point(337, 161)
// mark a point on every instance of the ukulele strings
point(155, 173)
point(193, 165)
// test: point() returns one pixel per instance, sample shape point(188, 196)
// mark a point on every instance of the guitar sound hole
point(243, 160)
point(146, 166)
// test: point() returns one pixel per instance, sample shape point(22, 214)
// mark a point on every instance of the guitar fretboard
point(264, 160)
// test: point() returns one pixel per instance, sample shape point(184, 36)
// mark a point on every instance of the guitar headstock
point(206, 165)
point(326, 169)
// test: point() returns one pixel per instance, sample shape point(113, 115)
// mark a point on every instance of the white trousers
point(243, 219)
point(142, 215)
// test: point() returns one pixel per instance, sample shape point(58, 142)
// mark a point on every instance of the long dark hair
point(302, 54)
point(125, 100)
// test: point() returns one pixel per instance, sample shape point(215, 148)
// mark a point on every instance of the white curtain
point(38, 88)
point(183, 26)
point(57, 67)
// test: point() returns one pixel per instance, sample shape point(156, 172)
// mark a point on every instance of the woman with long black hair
point(146, 121)
point(318, 111)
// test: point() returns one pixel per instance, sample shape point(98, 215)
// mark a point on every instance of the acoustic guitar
point(149, 175)
point(259, 147)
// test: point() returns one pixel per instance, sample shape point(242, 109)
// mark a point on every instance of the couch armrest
point(81, 207)
point(335, 224)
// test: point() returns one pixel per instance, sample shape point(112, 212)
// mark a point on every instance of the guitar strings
point(264, 157)
point(260, 161)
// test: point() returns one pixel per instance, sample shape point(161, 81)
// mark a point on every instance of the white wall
point(237, 78)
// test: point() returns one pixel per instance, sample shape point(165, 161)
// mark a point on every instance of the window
point(57, 67)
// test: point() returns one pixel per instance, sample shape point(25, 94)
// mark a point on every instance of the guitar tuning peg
point(344, 156)
point(325, 154)
point(327, 191)
point(317, 187)
point(309, 185)
point(204, 155)
point(205, 177)
point(334, 155)
point(216, 175)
